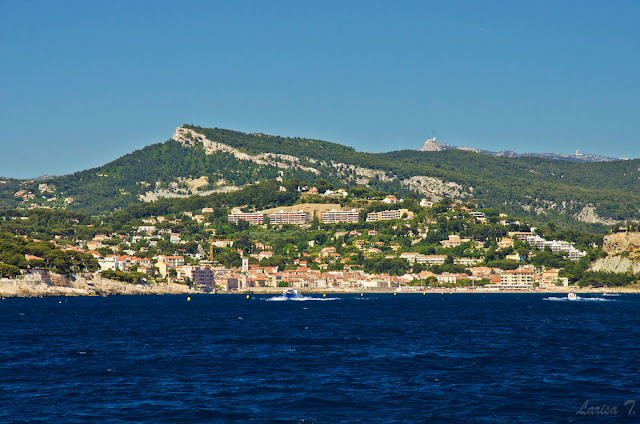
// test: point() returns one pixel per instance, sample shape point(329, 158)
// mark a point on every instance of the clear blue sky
point(82, 83)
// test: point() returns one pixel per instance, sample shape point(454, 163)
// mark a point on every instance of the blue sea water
point(435, 358)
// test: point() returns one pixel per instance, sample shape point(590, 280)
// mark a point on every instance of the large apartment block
point(295, 218)
point(252, 218)
point(517, 279)
point(340, 216)
point(200, 275)
point(385, 215)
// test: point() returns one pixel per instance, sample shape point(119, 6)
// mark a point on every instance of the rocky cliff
point(625, 243)
point(624, 253)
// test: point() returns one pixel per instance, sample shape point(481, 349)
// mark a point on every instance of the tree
point(9, 270)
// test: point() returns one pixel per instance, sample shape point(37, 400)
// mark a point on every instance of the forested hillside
point(580, 195)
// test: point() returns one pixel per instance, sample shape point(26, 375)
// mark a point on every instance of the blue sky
point(85, 82)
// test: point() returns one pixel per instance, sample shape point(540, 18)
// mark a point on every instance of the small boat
point(292, 294)
point(572, 296)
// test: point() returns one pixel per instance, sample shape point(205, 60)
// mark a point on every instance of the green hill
point(580, 195)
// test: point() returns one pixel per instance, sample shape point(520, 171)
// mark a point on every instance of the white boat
point(572, 296)
point(292, 294)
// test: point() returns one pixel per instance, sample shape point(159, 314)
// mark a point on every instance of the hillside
point(209, 160)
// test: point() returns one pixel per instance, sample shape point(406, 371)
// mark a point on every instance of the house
point(265, 254)
point(514, 257)
point(551, 277)
point(410, 256)
point(93, 245)
point(505, 243)
point(390, 199)
point(174, 261)
point(466, 261)
point(431, 259)
point(33, 258)
point(480, 272)
point(447, 278)
point(453, 241)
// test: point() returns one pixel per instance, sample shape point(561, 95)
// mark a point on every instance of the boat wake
point(579, 299)
point(299, 299)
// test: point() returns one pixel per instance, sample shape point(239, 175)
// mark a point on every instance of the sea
point(349, 358)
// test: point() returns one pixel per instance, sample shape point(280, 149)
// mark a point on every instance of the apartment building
point(251, 217)
point(295, 218)
point(335, 216)
point(516, 280)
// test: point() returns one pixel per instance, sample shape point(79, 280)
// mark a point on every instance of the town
point(332, 240)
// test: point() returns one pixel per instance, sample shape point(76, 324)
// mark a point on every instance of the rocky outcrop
point(432, 145)
point(588, 214)
point(190, 138)
point(627, 243)
point(616, 264)
point(57, 285)
point(435, 188)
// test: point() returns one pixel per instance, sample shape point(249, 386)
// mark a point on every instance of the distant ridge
point(432, 145)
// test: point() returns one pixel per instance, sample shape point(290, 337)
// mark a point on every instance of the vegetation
point(540, 190)
point(13, 251)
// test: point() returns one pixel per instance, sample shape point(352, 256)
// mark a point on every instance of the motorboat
point(572, 296)
point(292, 294)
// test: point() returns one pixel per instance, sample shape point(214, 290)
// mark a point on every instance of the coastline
point(103, 287)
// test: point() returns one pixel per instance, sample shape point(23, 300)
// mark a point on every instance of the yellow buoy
point(324, 295)
point(394, 293)
point(360, 294)
point(247, 296)
point(188, 299)
point(423, 293)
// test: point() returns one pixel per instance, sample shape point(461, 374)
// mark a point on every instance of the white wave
point(579, 299)
point(299, 299)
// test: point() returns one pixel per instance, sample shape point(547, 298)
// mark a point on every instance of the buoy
point(188, 299)
point(360, 294)
point(247, 296)
point(423, 293)
point(394, 293)
point(324, 295)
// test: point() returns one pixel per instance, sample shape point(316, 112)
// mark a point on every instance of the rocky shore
point(94, 285)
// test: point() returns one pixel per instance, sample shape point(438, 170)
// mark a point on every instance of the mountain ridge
point(432, 145)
